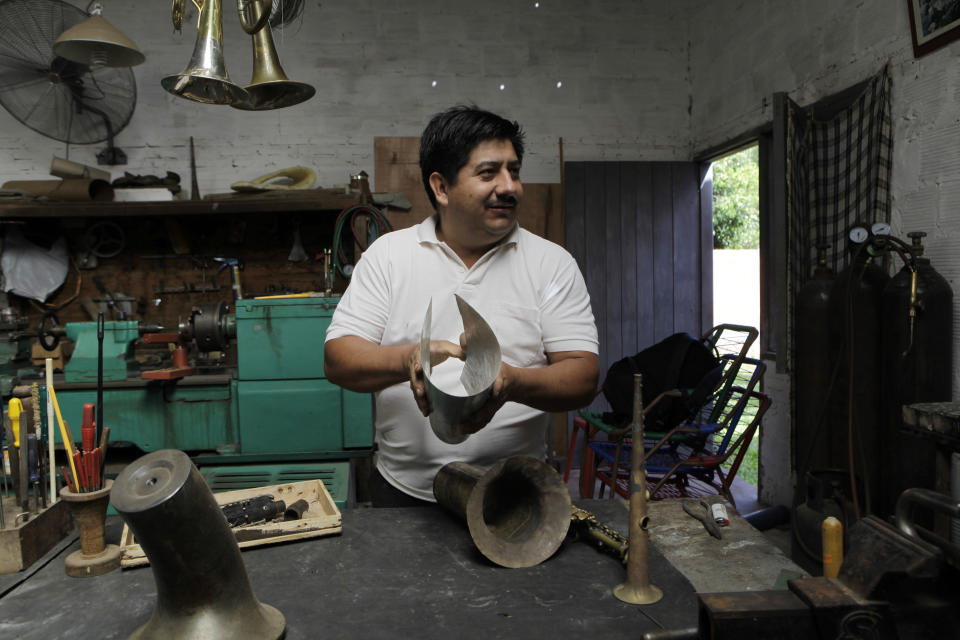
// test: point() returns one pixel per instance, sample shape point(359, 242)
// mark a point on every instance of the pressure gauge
point(859, 235)
point(880, 229)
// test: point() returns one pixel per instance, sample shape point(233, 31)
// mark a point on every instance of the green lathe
point(269, 417)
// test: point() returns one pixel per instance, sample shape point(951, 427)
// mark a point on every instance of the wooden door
point(642, 233)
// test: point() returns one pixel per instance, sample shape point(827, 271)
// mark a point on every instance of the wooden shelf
point(227, 203)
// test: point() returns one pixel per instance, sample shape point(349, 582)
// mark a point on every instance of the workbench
point(392, 573)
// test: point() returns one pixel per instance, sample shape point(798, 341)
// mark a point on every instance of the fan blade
point(63, 100)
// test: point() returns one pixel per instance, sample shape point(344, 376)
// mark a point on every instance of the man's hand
point(498, 397)
point(568, 382)
point(440, 350)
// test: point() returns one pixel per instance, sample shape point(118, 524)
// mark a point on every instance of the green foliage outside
point(749, 467)
point(736, 200)
point(736, 225)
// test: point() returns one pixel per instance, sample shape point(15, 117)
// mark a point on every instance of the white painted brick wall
point(642, 80)
point(624, 71)
point(743, 52)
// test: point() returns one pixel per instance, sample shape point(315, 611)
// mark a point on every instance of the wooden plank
point(396, 163)
point(687, 284)
point(645, 255)
point(613, 326)
point(663, 251)
point(574, 196)
point(540, 209)
point(706, 247)
point(595, 273)
point(628, 257)
point(268, 202)
point(396, 168)
point(23, 543)
point(779, 231)
point(555, 231)
point(743, 560)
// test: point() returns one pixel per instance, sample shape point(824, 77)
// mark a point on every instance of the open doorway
point(736, 261)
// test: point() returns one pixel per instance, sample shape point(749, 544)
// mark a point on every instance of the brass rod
point(637, 589)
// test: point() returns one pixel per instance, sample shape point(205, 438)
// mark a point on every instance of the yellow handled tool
point(65, 436)
point(14, 409)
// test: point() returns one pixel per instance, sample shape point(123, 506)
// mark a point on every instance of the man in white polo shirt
point(529, 290)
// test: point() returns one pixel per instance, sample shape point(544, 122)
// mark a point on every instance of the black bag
point(678, 362)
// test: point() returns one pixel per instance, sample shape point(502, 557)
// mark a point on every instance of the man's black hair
point(451, 136)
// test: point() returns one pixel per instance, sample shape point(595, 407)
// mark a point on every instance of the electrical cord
point(353, 215)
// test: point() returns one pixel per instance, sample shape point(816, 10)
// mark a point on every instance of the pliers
point(691, 507)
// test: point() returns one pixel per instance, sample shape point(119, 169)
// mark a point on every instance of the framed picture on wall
point(933, 23)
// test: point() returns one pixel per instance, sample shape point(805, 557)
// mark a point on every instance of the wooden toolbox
point(23, 542)
point(321, 518)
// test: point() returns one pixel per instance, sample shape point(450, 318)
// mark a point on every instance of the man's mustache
point(506, 201)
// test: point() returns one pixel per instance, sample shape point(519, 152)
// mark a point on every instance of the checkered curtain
point(838, 176)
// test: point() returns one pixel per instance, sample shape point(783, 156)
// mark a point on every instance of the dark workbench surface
point(392, 573)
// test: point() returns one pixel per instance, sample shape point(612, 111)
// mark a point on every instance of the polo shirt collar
point(427, 232)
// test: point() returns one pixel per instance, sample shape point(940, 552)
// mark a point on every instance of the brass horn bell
point(205, 79)
point(269, 87)
point(518, 511)
point(202, 586)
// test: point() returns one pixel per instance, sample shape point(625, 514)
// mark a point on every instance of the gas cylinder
point(812, 373)
point(854, 399)
point(917, 349)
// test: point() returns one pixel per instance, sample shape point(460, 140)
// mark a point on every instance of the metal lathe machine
point(262, 414)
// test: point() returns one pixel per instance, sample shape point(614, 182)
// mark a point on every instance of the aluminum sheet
point(480, 370)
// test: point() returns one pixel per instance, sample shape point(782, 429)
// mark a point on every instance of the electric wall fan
point(67, 101)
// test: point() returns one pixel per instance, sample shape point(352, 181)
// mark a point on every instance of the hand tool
point(88, 429)
point(3, 470)
point(66, 479)
point(585, 527)
point(64, 434)
point(295, 511)
point(51, 453)
point(14, 457)
point(693, 509)
point(33, 469)
point(99, 373)
point(15, 410)
point(234, 265)
point(102, 454)
point(39, 428)
point(260, 508)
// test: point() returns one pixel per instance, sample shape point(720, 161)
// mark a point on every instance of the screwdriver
point(14, 409)
point(4, 466)
point(88, 435)
point(32, 469)
point(39, 428)
point(88, 429)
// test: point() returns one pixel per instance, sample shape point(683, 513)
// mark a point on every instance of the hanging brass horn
point(269, 87)
point(202, 586)
point(518, 511)
point(205, 79)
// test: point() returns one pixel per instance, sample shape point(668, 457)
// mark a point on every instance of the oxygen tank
point(917, 350)
point(855, 349)
point(812, 373)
